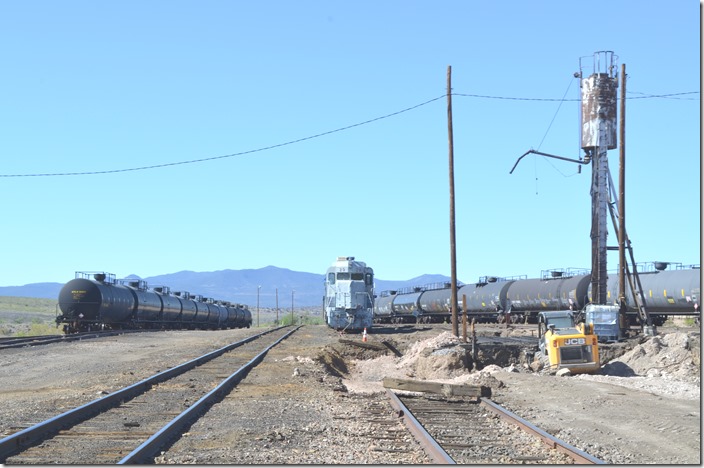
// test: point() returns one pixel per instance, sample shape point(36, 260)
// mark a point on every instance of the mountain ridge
point(246, 286)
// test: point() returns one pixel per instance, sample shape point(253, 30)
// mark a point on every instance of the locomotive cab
point(349, 295)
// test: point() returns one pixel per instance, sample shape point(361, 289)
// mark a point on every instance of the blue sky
point(103, 86)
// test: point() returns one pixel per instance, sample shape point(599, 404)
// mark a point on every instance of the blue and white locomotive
point(349, 295)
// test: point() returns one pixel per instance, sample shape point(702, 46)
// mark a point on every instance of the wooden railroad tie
point(445, 389)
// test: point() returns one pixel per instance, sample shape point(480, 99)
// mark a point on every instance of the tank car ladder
point(637, 288)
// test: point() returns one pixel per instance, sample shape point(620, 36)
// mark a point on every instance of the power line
point(193, 161)
point(509, 98)
point(318, 135)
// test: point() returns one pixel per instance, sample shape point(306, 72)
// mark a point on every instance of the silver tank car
point(531, 296)
point(674, 292)
point(383, 307)
point(485, 299)
point(406, 302)
point(349, 295)
point(434, 304)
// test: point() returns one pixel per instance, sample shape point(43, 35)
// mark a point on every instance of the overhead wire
point(535, 167)
point(192, 161)
point(510, 98)
point(318, 135)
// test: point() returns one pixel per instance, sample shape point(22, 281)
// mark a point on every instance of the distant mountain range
point(239, 286)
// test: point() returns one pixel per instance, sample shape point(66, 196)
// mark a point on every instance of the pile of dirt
point(438, 358)
point(435, 358)
point(674, 355)
point(664, 360)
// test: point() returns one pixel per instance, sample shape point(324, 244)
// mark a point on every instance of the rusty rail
point(429, 444)
point(577, 455)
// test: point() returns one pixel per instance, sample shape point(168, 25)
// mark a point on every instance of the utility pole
point(453, 257)
point(622, 204)
point(258, 289)
point(277, 306)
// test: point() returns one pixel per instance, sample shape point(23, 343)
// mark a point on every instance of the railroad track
point(471, 432)
point(24, 341)
point(134, 424)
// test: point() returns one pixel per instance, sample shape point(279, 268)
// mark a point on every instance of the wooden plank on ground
point(426, 386)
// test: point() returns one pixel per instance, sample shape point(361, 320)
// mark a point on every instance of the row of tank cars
point(97, 301)
point(667, 292)
point(350, 304)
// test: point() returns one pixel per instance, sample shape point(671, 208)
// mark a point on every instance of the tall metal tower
point(598, 135)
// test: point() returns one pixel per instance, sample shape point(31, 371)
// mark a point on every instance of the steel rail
point(437, 454)
point(28, 341)
point(31, 435)
point(148, 449)
point(577, 455)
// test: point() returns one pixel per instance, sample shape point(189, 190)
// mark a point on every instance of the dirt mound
point(437, 358)
point(674, 355)
point(332, 361)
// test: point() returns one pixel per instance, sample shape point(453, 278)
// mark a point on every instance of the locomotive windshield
point(343, 276)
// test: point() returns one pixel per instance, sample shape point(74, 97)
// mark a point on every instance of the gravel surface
point(310, 400)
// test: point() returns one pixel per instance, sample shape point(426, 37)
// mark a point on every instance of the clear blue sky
point(91, 86)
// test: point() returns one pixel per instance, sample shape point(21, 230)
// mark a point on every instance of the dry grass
point(27, 316)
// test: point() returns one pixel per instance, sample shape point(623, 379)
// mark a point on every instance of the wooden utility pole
point(622, 200)
point(453, 258)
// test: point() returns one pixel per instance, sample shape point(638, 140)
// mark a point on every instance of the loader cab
point(550, 322)
point(566, 344)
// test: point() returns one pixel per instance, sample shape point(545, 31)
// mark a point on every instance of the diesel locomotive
point(667, 293)
point(348, 303)
point(97, 301)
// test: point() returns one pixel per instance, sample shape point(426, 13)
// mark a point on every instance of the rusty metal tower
point(599, 127)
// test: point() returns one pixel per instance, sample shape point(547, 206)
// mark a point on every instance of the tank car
point(667, 293)
point(349, 295)
point(172, 307)
point(531, 296)
point(487, 300)
point(406, 302)
point(106, 303)
point(383, 308)
point(434, 304)
point(188, 307)
point(95, 304)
